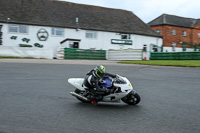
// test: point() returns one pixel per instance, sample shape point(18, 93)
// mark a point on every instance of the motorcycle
point(119, 89)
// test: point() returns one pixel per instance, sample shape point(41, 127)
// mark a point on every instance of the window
point(57, 31)
point(158, 31)
point(155, 48)
point(184, 33)
point(14, 28)
point(173, 32)
point(125, 36)
point(91, 34)
point(145, 48)
point(199, 34)
point(184, 47)
point(173, 46)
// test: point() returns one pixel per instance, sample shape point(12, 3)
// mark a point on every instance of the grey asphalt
point(34, 98)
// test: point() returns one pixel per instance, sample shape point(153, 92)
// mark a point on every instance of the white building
point(47, 25)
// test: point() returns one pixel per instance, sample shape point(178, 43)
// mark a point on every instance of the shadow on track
point(109, 106)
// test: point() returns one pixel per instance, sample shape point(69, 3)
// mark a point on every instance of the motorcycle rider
point(91, 81)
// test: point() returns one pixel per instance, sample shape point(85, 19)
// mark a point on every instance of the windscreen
point(120, 80)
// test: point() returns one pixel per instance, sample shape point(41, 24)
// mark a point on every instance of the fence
point(129, 54)
point(60, 53)
point(73, 53)
point(175, 56)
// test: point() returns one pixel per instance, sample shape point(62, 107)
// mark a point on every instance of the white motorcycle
point(120, 89)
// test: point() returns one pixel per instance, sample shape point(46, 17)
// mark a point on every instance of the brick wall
point(196, 31)
point(166, 31)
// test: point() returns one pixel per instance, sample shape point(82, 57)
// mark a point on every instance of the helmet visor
point(100, 74)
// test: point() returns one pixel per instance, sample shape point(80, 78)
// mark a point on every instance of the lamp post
point(77, 24)
point(0, 35)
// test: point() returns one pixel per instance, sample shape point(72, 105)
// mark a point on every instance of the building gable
point(173, 20)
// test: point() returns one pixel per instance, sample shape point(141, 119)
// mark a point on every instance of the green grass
point(180, 63)
point(16, 57)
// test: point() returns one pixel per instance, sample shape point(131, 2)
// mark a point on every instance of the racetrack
point(34, 98)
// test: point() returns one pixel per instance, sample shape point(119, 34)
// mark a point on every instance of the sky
point(148, 10)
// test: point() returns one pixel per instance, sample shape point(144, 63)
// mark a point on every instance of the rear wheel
point(81, 93)
point(132, 98)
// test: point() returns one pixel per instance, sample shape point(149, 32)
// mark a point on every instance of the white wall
point(51, 43)
point(10, 51)
point(103, 40)
point(169, 49)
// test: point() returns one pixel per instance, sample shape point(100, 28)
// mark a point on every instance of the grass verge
point(16, 57)
point(179, 63)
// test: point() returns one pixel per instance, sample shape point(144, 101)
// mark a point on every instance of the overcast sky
point(148, 10)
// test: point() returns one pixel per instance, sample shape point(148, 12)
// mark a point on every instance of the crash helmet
point(100, 71)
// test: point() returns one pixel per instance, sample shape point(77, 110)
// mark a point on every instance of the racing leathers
point(91, 81)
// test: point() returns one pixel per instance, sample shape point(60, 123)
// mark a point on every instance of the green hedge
point(74, 53)
point(175, 56)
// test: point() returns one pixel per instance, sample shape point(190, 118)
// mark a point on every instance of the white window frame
point(91, 34)
point(173, 32)
point(199, 34)
point(55, 31)
point(125, 36)
point(158, 31)
point(184, 33)
point(18, 28)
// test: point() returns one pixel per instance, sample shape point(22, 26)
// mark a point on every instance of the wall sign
point(13, 37)
point(42, 35)
point(25, 40)
point(118, 41)
point(38, 45)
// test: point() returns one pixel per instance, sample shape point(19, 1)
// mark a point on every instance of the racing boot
point(94, 101)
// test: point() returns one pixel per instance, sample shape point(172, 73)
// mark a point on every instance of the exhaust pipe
point(79, 96)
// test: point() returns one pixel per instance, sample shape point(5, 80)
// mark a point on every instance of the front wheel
point(132, 98)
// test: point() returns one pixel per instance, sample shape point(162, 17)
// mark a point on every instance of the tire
point(80, 92)
point(132, 98)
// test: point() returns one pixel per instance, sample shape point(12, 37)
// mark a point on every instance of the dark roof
point(63, 14)
point(70, 39)
point(166, 19)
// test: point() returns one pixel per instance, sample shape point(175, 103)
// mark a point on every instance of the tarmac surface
point(34, 98)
